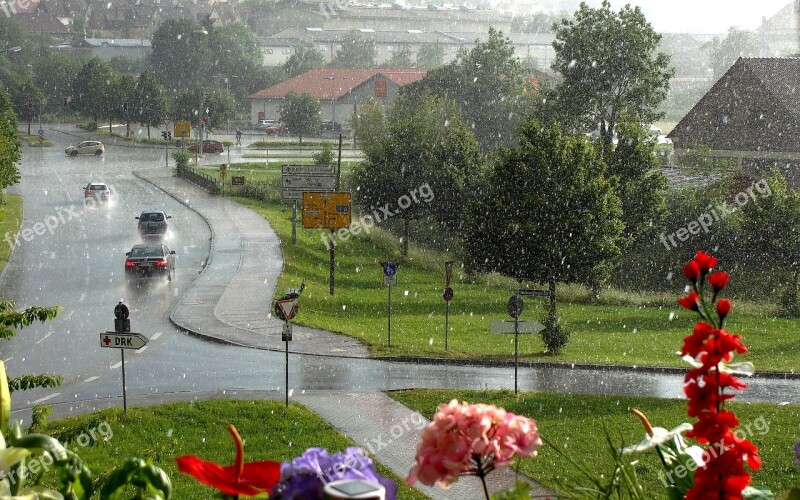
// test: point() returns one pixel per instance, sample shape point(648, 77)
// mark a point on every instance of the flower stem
point(485, 489)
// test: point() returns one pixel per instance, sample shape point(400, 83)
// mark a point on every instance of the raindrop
point(635, 330)
point(405, 293)
point(169, 433)
point(344, 307)
point(671, 316)
point(430, 341)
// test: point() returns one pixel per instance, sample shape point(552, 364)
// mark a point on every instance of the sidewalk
point(230, 302)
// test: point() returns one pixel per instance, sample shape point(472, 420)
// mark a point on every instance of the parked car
point(276, 129)
point(97, 191)
point(209, 146)
point(328, 126)
point(153, 223)
point(263, 124)
point(150, 260)
point(86, 148)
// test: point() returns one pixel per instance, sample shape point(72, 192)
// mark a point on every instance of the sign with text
point(237, 180)
point(326, 210)
point(296, 179)
point(181, 128)
point(123, 340)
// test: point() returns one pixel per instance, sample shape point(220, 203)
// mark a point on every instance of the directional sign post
point(285, 308)
point(447, 296)
point(389, 279)
point(122, 338)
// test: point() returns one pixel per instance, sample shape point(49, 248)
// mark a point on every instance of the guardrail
point(203, 180)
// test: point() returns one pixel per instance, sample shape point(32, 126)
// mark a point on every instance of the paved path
point(229, 302)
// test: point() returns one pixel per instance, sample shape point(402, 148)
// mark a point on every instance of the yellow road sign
point(326, 210)
point(181, 128)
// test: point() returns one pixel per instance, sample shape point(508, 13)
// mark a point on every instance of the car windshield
point(146, 252)
point(153, 217)
point(98, 187)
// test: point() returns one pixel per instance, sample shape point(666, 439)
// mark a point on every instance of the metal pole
point(287, 373)
point(124, 393)
point(339, 164)
point(446, 321)
point(294, 222)
point(333, 262)
point(390, 315)
point(516, 346)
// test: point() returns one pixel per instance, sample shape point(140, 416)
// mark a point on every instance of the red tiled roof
point(324, 83)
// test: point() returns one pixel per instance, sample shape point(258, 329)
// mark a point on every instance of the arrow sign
point(288, 307)
point(123, 340)
point(523, 327)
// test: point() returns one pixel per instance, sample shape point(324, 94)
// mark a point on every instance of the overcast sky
point(703, 16)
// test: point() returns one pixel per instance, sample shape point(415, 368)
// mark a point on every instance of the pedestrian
point(238, 137)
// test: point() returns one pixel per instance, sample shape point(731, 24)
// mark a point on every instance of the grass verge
point(10, 222)
point(575, 423)
point(623, 329)
point(161, 433)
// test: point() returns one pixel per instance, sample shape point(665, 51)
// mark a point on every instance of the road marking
point(54, 395)
point(69, 315)
point(156, 335)
point(139, 351)
point(115, 365)
point(90, 379)
point(42, 339)
point(8, 359)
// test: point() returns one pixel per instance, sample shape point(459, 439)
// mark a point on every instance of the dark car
point(328, 126)
point(209, 146)
point(153, 223)
point(150, 260)
point(276, 129)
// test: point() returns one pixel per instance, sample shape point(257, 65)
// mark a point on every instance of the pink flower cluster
point(474, 439)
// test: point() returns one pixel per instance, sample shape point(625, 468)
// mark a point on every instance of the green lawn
point(161, 433)
point(10, 221)
point(575, 422)
point(260, 171)
point(623, 329)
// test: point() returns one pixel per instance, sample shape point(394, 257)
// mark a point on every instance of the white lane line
point(115, 365)
point(139, 351)
point(54, 395)
point(90, 379)
point(42, 339)
point(156, 335)
point(8, 359)
point(69, 315)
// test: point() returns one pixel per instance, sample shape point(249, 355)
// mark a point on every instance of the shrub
point(554, 335)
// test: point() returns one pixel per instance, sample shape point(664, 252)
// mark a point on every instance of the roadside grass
point(576, 423)
point(294, 144)
point(162, 433)
point(34, 142)
point(262, 171)
point(624, 328)
point(10, 222)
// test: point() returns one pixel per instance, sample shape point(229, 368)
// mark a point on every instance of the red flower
point(705, 261)
point(691, 271)
point(690, 301)
point(723, 306)
point(245, 479)
point(694, 343)
point(718, 280)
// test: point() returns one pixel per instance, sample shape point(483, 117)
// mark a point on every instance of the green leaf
point(520, 491)
point(757, 493)
point(137, 472)
point(41, 443)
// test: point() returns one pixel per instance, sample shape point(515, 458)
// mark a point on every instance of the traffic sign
point(390, 280)
point(308, 170)
point(121, 311)
point(295, 179)
point(181, 128)
point(389, 268)
point(522, 327)
point(326, 210)
point(237, 180)
point(515, 306)
point(123, 340)
point(287, 308)
point(534, 293)
point(448, 294)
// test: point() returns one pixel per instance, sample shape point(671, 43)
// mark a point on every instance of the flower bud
point(691, 271)
point(723, 307)
point(690, 301)
point(718, 280)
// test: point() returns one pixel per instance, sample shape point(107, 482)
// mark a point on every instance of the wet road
point(79, 264)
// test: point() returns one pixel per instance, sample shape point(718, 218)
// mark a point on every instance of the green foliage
point(724, 52)
point(28, 382)
point(610, 68)
point(325, 156)
point(300, 113)
point(11, 318)
point(39, 418)
point(181, 157)
point(303, 59)
point(400, 58)
point(10, 147)
point(488, 85)
point(180, 53)
point(149, 105)
point(93, 90)
point(555, 336)
point(191, 104)
point(54, 74)
point(141, 474)
point(356, 52)
point(520, 491)
point(430, 55)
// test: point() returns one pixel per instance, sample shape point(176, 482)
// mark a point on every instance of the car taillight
point(161, 263)
point(164, 224)
point(107, 193)
point(129, 263)
point(88, 192)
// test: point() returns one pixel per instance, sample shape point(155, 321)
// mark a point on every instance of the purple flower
point(305, 476)
point(797, 452)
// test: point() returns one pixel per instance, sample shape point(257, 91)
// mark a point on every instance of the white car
point(86, 148)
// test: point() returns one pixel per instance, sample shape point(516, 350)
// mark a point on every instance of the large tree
point(180, 54)
point(546, 213)
point(723, 52)
point(610, 67)
point(420, 146)
point(10, 147)
point(303, 59)
point(54, 74)
point(489, 87)
point(235, 57)
point(430, 55)
point(300, 113)
point(356, 52)
point(93, 90)
point(151, 106)
point(194, 103)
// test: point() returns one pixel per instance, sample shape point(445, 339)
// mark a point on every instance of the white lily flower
point(745, 368)
point(660, 435)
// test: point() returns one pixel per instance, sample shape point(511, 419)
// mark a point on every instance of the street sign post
point(295, 179)
point(286, 308)
point(122, 338)
point(389, 279)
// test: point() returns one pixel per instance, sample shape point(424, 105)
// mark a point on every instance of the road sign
point(534, 293)
point(515, 306)
point(287, 308)
point(237, 180)
point(308, 170)
point(326, 210)
point(390, 280)
point(123, 340)
point(522, 327)
point(296, 179)
point(181, 128)
point(389, 268)
point(448, 294)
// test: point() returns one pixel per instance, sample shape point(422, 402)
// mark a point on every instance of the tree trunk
point(406, 224)
point(551, 315)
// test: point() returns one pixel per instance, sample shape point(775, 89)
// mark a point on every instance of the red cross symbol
point(106, 340)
